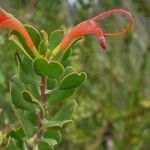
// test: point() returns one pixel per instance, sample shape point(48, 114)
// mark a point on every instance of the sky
point(71, 1)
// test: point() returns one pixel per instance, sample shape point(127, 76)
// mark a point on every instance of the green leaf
point(11, 145)
point(43, 46)
point(55, 38)
point(18, 45)
point(72, 81)
point(17, 133)
point(29, 98)
point(21, 145)
point(40, 66)
point(56, 124)
point(52, 134)
point(50, 142)
point(16, 89)
point(51, 83)
point(66, 112)
point(66, 55)
point(32, 117)
point(51, 69)
point(28, 128)
point(55, 69)
point(69, 70)
point(43, 146)
point(25, 70)
point(34, 34)
point(34, 89)
point(59, 95)
point(47, 144)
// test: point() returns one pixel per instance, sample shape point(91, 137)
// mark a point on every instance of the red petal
point(7, 20)
point(3, 18)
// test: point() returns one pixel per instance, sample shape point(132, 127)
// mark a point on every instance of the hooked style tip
point(102, 42)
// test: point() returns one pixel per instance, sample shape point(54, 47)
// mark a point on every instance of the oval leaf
point(66, 112)
point(27, 126)
point(56, 124)
point(69, 70)
point(51, 69)
point(16, 89)
point(55, 38)
point(55, 69)
point(72, 81)
point(52, 134)
point(29, 98)
point(40, 66)
point(59, 95)
point(25, 70)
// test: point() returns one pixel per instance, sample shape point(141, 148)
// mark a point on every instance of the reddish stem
point(41, 114)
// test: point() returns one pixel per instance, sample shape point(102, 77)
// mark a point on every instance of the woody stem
point(41, 113)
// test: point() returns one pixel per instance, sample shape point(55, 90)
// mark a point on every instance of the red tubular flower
point(85, 27)
point(7, 20)
point(91, 27)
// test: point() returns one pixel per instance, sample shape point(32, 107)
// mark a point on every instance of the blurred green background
point(114, 104)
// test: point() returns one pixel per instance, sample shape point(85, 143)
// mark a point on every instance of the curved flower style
point(7, 20)
point(91, 27)
point(112, 12)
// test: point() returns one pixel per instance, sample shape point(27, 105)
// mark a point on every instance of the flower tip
point(102, 42)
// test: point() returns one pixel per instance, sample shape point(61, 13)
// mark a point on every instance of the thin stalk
point(41, 113)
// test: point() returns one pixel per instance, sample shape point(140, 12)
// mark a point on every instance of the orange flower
point(91, 27)
point(7, 20)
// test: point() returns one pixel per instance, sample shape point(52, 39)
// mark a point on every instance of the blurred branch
point(68, 11)
point(105, 139)
point(30, 10)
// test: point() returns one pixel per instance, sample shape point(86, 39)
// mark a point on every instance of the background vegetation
point(114, 104)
